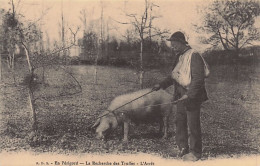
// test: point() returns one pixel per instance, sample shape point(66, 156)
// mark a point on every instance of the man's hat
point(178, 36)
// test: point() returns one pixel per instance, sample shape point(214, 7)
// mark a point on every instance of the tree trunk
point(30, 92)
point(13, 68)
point(28, 58)
point(141, 72)
point(1, 76)
point(236, 64)
point(141, 79)
point(32, 106)
point(95, 70)
point(95, 73)
point(63, 38)
point(43, 75)
point(222, 42)
point(100, 43)
point(9, 60)
point(107, 43)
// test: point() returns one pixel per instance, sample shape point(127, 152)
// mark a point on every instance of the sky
point(175, 15)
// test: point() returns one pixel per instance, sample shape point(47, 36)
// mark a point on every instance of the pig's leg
point(166, 126)
point(161, 123)
point(126, 131)
point(122, 129)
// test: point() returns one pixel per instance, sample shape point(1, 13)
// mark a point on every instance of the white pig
point(153, 107)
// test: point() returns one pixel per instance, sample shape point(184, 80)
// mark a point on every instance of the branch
point(62, 49)
point(145, 16)
point(68, 47)
point(153, 4)
point(120, 22)
point(135, 23)
point(13, 9)
point(74, 34)
point(221, 39)
point(227, 20)
point(62, 67)
point(134, 16)
point(64, 95)
point(247, 41)
point(160, 33)
point(131, 15)
point(229, 42)
point(154, 17)
point(28, 57)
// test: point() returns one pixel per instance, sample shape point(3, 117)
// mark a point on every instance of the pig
point(153, 107)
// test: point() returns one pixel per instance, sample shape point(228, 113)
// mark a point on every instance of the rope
point(113, 111)
point(125, 104)
point(155, 105)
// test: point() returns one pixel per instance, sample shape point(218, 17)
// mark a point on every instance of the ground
point(230, 118)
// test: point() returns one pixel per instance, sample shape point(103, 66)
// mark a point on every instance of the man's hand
point(184, 97)
point(156, 87)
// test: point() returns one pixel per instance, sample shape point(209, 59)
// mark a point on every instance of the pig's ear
point(96, 123)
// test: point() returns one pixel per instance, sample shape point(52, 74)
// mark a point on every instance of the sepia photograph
point(129, 82)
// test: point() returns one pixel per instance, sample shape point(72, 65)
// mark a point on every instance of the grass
point(230, 119)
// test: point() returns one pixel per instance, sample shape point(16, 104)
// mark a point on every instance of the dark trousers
point(188, 117)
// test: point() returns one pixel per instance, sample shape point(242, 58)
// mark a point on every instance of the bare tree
point(143, 26)
point(23, 34)
point(86, 20)
point(108, 28)
point(10, 35)
point(38, 61)
point(83, 19)
point(100, 41)
point(107, 40)
point(62, 28)
point(26, 34)
point(1, 42)
point(231, 24)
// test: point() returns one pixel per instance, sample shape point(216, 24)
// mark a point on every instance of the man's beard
point(176, 53)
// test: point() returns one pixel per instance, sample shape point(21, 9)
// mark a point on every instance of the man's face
point(177, 46)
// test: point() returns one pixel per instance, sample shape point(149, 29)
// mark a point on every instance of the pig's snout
point(99, 129)
point(104, 126)
point(100, 136)
point(102, 130)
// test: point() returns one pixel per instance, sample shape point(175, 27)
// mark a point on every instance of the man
point(188, 76)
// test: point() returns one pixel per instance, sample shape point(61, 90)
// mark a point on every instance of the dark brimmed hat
point(178, 36)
